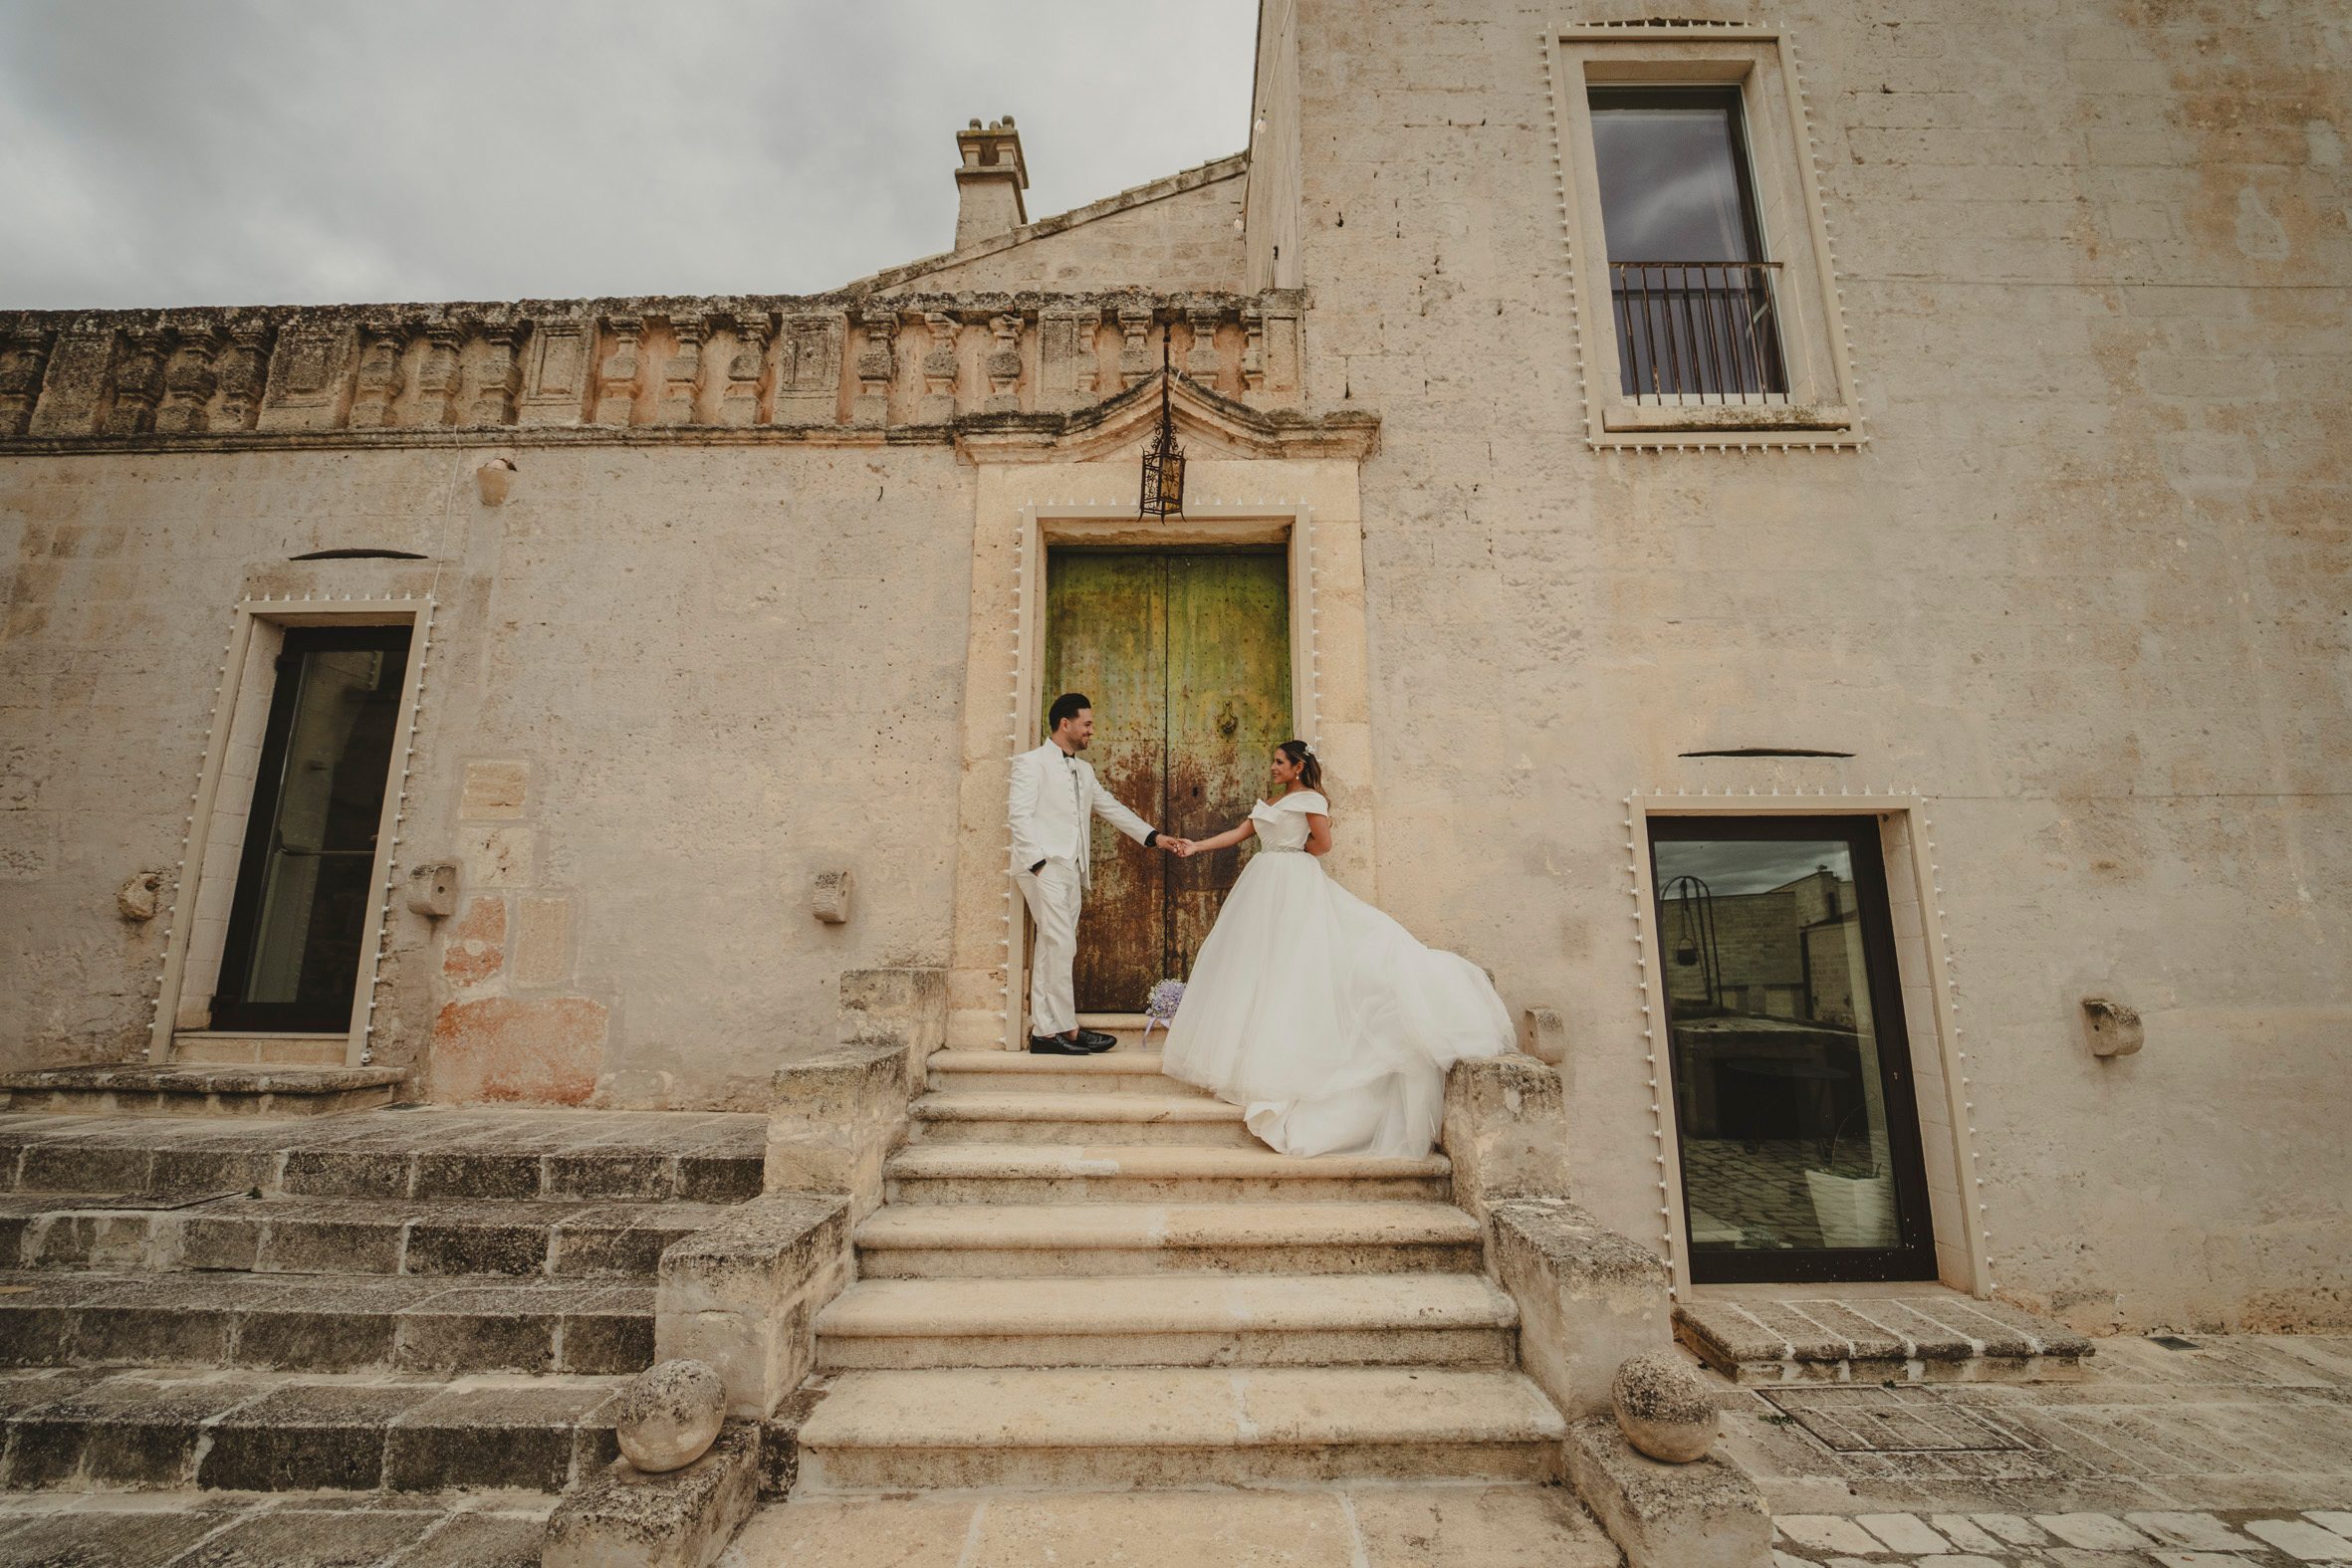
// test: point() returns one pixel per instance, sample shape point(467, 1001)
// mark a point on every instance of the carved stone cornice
point(138, 380)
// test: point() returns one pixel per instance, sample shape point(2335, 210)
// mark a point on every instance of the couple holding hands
point(1318, 1014)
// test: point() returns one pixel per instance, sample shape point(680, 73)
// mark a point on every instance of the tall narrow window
point(1792, 1089)
point(1693, 293)
point(307, 883)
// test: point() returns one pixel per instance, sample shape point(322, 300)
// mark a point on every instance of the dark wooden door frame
point(1915, 1256)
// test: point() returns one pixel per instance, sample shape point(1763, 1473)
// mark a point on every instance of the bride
point(1315, 1011)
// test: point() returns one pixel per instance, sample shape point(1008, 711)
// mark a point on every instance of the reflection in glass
point(307, 882)
point(1780, 1090)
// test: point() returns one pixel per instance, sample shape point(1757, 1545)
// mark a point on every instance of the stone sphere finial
point(1664, 1408)
point(669, 1415)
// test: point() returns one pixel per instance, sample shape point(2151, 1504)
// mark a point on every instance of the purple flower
point(1164, 999)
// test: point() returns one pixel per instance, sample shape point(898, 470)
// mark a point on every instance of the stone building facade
point(2031, 556)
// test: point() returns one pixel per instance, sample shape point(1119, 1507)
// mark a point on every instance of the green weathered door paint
point(1186, 658)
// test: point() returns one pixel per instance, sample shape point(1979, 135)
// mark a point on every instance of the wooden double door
point(1186, 658)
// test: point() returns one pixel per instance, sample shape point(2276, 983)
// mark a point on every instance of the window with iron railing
point(1694, 302)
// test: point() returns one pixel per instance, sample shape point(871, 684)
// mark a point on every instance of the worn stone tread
point(264, 1431)
point(1933, 1337)
point(431, 1153)
point(1178, 1406)
point(207, 1078)
point(335, 1236)
point(325, 1323)
point(1175, 1304)
point(1140, 1160)
point(1034, 1107)
point(1129, 1225)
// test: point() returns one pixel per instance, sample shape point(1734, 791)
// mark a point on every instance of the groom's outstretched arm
point(1121, 817)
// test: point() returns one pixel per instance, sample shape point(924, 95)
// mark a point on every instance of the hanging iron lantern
point(1163, 461)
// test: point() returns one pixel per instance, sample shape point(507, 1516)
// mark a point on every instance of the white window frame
point(1823, 408)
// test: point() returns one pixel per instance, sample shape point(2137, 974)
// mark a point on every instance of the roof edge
point(1214, 172)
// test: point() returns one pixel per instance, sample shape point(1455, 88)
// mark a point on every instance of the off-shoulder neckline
point(1301, 794)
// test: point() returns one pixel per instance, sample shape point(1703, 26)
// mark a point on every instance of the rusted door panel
point(1186, 658)
point(1106, 633)
point(1228, 704)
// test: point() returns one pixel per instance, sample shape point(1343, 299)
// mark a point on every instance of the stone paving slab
point(2237, 1453)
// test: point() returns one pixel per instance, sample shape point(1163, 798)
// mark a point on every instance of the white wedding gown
point(1320, 1015)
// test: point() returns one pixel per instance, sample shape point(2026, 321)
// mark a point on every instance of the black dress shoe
point(1097, 1041)
point(1055, 1046)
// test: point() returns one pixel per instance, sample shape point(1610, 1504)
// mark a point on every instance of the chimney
point(988, 186)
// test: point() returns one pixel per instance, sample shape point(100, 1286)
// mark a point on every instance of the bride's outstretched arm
point(1232, 835)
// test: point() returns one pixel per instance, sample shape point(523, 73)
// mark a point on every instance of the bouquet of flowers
point(1160, 1006)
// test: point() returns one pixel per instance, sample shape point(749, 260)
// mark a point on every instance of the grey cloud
point(159, 152)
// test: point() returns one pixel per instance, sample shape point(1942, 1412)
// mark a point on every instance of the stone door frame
point(1939, 1066)
point(193, 912)
point(1309, 507)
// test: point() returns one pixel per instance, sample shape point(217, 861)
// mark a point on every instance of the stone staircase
point(391, 1301)
point(1087, 1274)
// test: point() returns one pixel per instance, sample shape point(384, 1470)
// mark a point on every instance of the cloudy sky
point(162, 152)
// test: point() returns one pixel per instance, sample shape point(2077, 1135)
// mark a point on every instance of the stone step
point(1120, 1071)
point(203, 1089)
point(1262, 1320)
point(1027, 1117)
point(616, 1155)
point(273, 1050)
point(1016, 1241)
point(274, 1432)
point(335, 1236)
point(984, 1173)
point(1938, 1337)
point(306, 1323)
point(1124, 1427)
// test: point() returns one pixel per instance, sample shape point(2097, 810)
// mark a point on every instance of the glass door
point(307, 881)
point(1792, 1085)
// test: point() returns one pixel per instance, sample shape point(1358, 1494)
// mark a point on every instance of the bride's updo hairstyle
point(1296, 752)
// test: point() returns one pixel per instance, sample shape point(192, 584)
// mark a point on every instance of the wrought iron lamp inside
point(1163, 461)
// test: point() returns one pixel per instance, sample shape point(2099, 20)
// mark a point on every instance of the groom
point(1054, 795)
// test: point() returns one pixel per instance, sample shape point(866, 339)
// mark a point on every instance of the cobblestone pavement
point(2234, 1454)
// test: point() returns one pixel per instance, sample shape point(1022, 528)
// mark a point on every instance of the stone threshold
point(199, 1089)
point(1925, 1334)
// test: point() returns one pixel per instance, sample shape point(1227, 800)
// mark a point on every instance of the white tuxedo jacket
point(1055, 799)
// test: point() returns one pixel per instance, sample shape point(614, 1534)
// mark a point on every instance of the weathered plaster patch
point(477, 942)
point(495, 790)
point(498, 1049)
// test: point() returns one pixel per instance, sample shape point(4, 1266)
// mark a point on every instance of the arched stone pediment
point(1209, 424)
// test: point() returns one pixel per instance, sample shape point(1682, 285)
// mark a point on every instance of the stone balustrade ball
point(1664, 1408)
point(669, 1415)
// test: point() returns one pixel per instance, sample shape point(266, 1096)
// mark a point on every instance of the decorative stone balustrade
point(852, 368)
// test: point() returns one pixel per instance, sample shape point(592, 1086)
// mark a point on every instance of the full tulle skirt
point(1324, 1020)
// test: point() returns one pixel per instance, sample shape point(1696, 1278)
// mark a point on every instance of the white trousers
point(1053, 897)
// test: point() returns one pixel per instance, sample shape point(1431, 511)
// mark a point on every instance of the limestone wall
point(2083, 586)
point(668, 687)
point(1175, 234)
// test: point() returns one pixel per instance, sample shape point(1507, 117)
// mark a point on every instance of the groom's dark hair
point(1066, 705)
